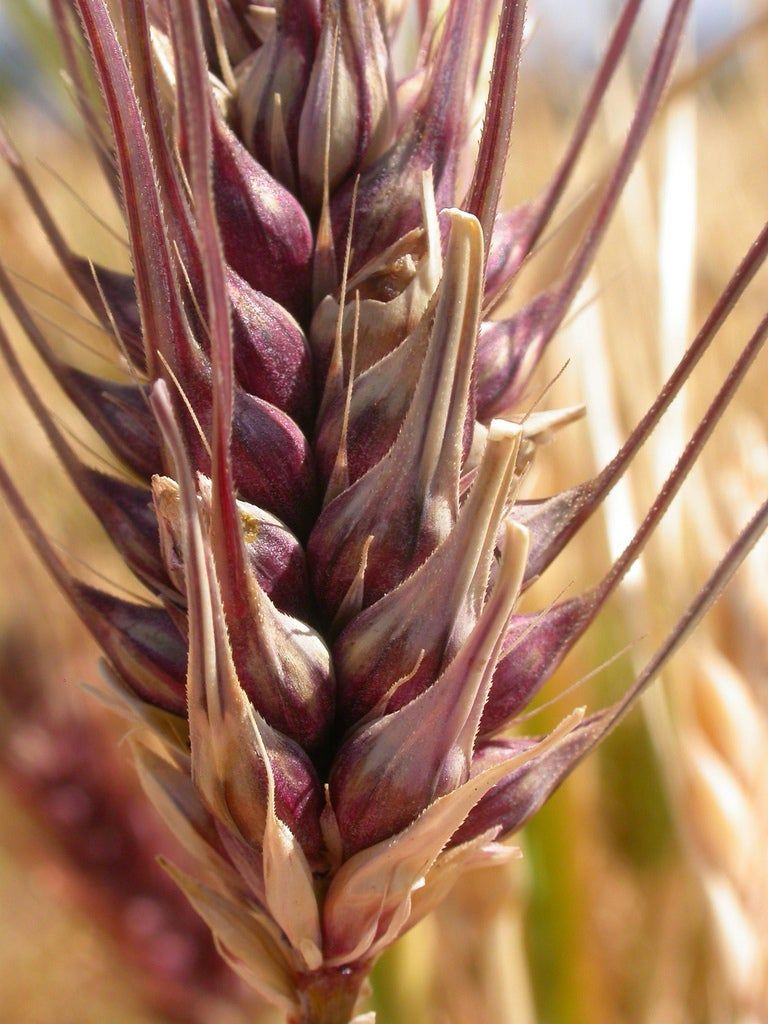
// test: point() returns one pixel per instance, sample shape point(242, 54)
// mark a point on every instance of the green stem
point(329, 996)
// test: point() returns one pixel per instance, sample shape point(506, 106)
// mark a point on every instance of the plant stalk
point(330, 996)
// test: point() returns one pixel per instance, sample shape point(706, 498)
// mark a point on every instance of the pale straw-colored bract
point(325, 434)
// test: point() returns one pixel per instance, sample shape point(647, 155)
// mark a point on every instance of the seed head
point(325, 436)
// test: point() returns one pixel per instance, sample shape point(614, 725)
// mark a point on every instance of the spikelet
point(324, 437)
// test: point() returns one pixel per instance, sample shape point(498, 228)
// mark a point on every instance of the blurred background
point(643, 887)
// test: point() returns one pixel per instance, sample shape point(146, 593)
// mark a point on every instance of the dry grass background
point(606, 920)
